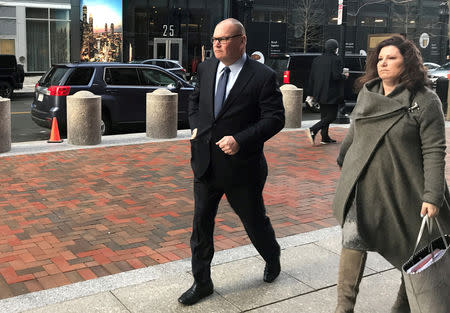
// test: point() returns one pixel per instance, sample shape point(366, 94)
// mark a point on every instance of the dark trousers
point(328, 113)
point(247, 202)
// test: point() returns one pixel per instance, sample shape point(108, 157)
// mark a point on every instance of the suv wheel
point(6, 90)
point(105, 124)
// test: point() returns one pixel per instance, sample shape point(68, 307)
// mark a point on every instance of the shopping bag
point(427, 273)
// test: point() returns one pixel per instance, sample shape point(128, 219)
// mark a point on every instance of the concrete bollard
point(5, 124)
point(293, 102)
point(162, 114)
point(84, 115)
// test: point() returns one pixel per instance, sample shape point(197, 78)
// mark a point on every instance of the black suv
point(294, 68)
point(123, 88)
point(11, 75)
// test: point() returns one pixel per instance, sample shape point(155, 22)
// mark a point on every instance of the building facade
point(42, 32)
point(37, 32)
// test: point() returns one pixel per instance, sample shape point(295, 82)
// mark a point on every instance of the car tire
point(6, 90)
point(105, 124)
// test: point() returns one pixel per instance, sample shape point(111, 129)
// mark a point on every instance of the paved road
point(22, 127)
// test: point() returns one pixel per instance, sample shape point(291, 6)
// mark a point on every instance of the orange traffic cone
point(54, 134)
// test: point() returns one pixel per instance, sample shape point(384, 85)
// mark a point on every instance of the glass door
point(168, 48)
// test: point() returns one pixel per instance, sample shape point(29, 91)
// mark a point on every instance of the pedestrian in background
point(235, 107)
point(393, 163)
point(258, 56)
point(326, 87)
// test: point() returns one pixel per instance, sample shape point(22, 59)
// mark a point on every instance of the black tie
point(221, 91)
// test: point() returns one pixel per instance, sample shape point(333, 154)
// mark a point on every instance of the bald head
point(229, 41)
point(235, 25)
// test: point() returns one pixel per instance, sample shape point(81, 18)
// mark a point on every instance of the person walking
point(392, 167)
point(235, 107)
point(326, 87)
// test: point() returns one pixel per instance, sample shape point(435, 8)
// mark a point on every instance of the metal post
point(341, 118)
point(343, 29)
point(443, 16)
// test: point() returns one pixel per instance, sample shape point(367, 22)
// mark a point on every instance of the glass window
point(59, 42)
point(37, 45)
point(171, 65)
point(122, 76)
point(36, 13)
point(7, 11)
point(277, 17)
point(160, 63)
point(157, 78)
point(260, 16)
point(80, 76)
point(8, 26)
point(44, 32)
point(59, 14)
point(53, 77)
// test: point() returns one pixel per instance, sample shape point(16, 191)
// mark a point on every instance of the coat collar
point(372, 102)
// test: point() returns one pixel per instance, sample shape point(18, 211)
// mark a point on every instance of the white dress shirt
point(235, 69)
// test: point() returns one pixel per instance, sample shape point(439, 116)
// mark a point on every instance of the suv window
point(446, 66)
point(80, 76)
point(122, 76)
point(303, 62)
point(157, 63)
point(157, 78)
point(7, 61)
point(171, 64)
point(278, 65)
point(355, 63)
point(54, 76)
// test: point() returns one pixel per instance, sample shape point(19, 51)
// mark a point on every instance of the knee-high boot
point(351, 269)
point(401, 305)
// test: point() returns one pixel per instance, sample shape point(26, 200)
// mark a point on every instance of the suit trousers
point(246, 201)
point(328, 113)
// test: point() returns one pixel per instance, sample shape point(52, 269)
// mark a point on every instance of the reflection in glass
point(58, 14)
point(36, 13)
point(37, 45)
point(59, 35)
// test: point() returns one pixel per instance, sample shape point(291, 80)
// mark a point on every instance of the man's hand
point(430, 209)
point(228, 145)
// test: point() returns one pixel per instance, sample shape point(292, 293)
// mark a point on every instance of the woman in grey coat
point(393, 162)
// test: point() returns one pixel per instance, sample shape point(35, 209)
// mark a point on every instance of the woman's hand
point(430, 209)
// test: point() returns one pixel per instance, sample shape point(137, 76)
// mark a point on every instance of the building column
point(21, 36)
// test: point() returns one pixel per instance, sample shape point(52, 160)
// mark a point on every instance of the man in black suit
point(234, 109)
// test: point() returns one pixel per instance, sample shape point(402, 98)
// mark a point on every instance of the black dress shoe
point(325, 141)
point(196, 293)
point(271, 271)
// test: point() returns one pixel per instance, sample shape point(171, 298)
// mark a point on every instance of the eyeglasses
point(222, 40)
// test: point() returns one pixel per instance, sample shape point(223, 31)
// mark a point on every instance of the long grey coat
point(394, 155)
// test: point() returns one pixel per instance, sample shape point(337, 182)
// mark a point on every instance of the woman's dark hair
point(414, 75)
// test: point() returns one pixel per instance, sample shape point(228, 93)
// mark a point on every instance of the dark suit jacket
point(252, 113)
point(326, 79)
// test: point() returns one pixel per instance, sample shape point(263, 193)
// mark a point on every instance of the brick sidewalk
point(75, 215)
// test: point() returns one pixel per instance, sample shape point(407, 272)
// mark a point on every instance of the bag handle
point(442, 233)
point(428, 221)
